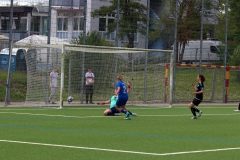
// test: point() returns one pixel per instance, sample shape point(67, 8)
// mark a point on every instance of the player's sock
point(197, 110)
point(124, 111)
point(239, 106)
point(110, 114)
point(130, 112)
point(193, 111)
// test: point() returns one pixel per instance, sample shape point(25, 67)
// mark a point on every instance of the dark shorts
point(89, 89)
point(196, 102)
point(114, 110)
point(122, 100)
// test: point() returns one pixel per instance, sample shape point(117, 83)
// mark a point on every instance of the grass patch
point(83, 133)
point(18, 86)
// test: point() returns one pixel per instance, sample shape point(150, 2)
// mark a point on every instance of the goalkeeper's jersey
point(113, 101)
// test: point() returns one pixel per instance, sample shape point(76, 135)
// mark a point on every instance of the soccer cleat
point(127, 118)
point(54, 103)
point(91, 102)
point(194, 117)
point(199, 114)
point(236, 110)
point(134, 114)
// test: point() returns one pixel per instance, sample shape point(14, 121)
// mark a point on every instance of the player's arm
point(92, 81)
point(199, 92)
point(128, 87)
point(117, 91)
point(50, 79)
point(87, 79)
point(104, 102)
point(194, 86)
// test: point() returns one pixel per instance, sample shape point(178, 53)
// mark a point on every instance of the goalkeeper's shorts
point(114, 110)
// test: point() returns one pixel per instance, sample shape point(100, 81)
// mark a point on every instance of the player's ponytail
point(201, 77)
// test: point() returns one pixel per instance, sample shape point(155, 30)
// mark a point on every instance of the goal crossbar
point(93, 49)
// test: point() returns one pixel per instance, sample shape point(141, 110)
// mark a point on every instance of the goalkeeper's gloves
point(101, 103)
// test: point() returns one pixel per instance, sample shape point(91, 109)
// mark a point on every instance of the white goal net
point(145, 69)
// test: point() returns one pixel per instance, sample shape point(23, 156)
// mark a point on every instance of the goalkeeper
point(112, 111)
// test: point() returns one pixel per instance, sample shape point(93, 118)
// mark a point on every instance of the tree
point(234, 59)
point(233, 30)
point(92, 38)
point(132, 20)
point(234, 19)
point(189, 22)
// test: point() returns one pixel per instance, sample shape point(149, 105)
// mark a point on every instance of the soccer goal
point(145, 69)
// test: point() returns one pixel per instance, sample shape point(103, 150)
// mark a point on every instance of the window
point(102, 24)
point(5, 24)
point(23, 24)
point(35, 24)
point(78, 23)
point(214, 49)
point(62, 21)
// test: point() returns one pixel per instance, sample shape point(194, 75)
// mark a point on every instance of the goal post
point(134, 64)
point(120, 51)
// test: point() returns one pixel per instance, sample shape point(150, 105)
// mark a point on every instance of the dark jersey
point(200, 87)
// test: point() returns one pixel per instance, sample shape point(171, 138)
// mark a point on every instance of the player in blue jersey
point(122, 93)
point(199, 96)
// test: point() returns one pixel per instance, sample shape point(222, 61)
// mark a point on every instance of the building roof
point(17, 10)
point(43, 9)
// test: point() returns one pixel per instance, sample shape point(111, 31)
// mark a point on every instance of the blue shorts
point(122, 100)
point(114, 110)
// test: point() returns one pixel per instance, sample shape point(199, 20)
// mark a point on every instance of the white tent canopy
point(39, 39)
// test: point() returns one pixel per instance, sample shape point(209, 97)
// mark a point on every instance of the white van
point(210, 51)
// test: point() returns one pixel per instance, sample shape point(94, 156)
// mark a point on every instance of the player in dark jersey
point(199, 96)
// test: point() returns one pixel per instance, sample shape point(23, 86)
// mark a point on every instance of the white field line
point(82, 108)
point(120, 151)
point(65, 116)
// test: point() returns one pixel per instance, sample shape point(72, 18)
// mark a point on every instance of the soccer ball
point(70, 99)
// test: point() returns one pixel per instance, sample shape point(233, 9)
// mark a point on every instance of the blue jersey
point(123, 89)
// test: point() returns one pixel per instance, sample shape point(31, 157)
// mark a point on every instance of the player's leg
point(52, 96)
point(191, 106)
point(108, 112)
point(91, 93)
point(115, 112)
point(197, 110)
point(87, 93)
point(237, 110)
point(125, 110)
point(54, 90)
point(121, 102)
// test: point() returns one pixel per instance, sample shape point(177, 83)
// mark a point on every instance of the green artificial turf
point(84, 133)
